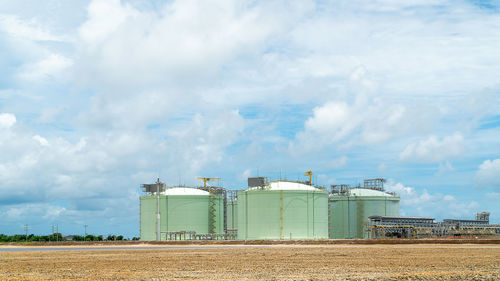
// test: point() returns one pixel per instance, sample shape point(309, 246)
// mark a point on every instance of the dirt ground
point(269, 262)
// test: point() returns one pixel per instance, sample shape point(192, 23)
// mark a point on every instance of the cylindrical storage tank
point(282, 210)
point(182, 209)
point(349, 212)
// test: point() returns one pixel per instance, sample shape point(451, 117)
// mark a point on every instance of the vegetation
point(30, 238)
point(58, 237)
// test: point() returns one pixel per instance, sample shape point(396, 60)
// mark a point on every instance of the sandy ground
point(272, 262)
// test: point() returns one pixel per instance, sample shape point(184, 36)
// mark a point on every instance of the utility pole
point(158, 225)
point(85, 237)
point(57, 232)
point(26, 230)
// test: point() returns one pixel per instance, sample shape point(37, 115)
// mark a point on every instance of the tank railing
point(336, 192)
point(214, 236)
point(179, 235)
point(214, 189)
point(340, 189)
point(178, 185)
point(345, 189)
point(192, 235)
point(232, 195)
point(232, 233)
point(376, 184)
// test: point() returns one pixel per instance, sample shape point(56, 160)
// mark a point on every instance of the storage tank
point(282, 210)
point(182, 209)
point(349, 210)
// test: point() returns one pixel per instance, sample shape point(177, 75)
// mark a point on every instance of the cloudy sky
point(97, 97)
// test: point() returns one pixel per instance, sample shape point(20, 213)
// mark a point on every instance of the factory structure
point(418, 227)
point(287, 210)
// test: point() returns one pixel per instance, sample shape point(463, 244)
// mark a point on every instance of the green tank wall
point(232, 214)
point(179, 213)
point(348, 215)
point(282, 214)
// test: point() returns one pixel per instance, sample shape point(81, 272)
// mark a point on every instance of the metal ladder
point(212, 214)
point(360, 217)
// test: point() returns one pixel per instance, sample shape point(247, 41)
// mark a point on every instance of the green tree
point(90, 237)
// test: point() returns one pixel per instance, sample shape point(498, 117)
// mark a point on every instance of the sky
point(98, 97)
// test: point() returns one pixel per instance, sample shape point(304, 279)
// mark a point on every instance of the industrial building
point(418, 227)
point(284, 209)
point(351, 207)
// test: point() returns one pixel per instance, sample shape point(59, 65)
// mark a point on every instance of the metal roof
point(406, 218)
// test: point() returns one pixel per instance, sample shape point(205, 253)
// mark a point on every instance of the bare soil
point(269, 262)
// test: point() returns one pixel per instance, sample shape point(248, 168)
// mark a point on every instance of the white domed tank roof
point(286, 185)
point(184, 191)
point(369, 192)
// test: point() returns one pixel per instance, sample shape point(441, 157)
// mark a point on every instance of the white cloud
point(445, 168)
point(332, 121)
point(434, 149)
point(337, 163)
point(34, 165)
point(105, 17)
point(49, 67)
point(368, 119)
point(488, 174)
point(448, 198)
point(104, 165)
point(155, 92)
point(48, 114)
point(126, 45)
point(393, 36)
point(30, 29)
point(493, 195)
point(111, 112)
point(245, 175)
point(424, 203)
point(203, 140)
point(43, 141)
point(7, 120)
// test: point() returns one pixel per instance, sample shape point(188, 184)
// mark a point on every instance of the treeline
point(91, 237)
point(59, 237)
point(30, 238)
